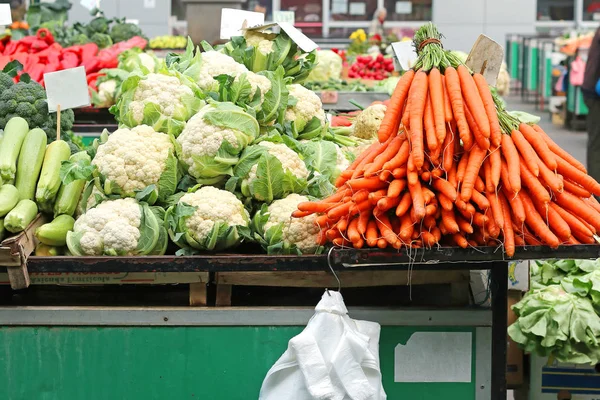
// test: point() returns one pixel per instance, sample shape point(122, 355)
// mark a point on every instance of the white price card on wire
point(67, 88)
point(5, 15)
point(404, 54)
point(234, 20)
point(90, 4)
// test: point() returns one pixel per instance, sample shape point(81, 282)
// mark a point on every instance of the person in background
point(376, 27)
point(591, 96)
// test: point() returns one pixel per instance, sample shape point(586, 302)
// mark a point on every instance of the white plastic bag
point(334, 358)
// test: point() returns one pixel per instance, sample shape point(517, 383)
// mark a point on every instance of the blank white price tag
point(133, 21)
point(232, 21)
point(68, 88)
point(90, 4)
point(5, 15)
point(405, 54)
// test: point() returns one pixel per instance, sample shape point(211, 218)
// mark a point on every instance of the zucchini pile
point(31, 183)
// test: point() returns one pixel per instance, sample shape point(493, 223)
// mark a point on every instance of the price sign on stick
point(404, 55)
point(486, 58)
point(5, 15)
point(233, 21)
point(67, 89)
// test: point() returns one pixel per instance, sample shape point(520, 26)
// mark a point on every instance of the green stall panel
point(575, 103)
point(206, 362)
point(533, 68)
point(514, 59)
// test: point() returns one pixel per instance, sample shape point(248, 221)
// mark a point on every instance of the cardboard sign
point(5, 15)
point(486, 58)
point(297, 37)
point(67, 88)
point(90, 4)
point(233, 21)
point(405, 54)
point(284, 16)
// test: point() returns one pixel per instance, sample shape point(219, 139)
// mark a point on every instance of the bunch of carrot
point(452, 167)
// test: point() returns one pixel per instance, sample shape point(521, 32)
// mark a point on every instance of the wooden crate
point(457, 281)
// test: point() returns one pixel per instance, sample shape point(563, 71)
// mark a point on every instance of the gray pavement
point(572, 141)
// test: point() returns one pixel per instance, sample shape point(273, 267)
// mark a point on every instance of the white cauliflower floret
point(342, 162)
point(213, 205)
point(289, 159)
point(214, 64)
point(299, 231)
point(133, 158)
point(112, 225)
point(199, 138)
point(368, 122)
point(258, 82)
point(106, 93)
point(259, 40)
point(164, 90)
point(308, 106)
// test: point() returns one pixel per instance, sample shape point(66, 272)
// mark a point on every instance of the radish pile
point(452, 167)
point(367, 67)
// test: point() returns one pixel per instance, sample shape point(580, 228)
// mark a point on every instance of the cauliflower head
point(106, 93)
point(260, 82)
point(213, 139)
point(208, 219)
point(269, 171)
point(306, 105)
point(214, 63)
point(342, 161)
point(133, 159)
point(163, 100)
point(329, 66)
point(115, 227)
point(275, 229)
point(368, 121)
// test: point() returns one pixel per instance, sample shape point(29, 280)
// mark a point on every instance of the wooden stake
point(58, 122)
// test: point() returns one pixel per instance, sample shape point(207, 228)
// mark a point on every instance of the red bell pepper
point(36, 72)
point(51, 68)
point(21, 57)
point(11, 48)
point(38, 46)
point(91, 65)
point(32, 59)
point(3, 61)
point(69, 60)
point(45, 35)
point(28, 40)
point(88, 51)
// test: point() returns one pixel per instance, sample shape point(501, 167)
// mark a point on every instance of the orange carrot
point(448, 151)
point(360, 196)
point(534, 221)
point(385, 227)
point(387, 203)
point(399, 172)
point(372, 234)
point(406, 229)
point(429, 122)
point(447, 106)
point(480, 139)
point(570, 172)
point(396, 187)
point(559, 151)
point(464, 225)
point(509, 234)
point(452, 177)
point(536, 189)
point(458, 108)
point(339, 211)
point(404, 204)
point(576, 226)
point(557, 224)
point(476, 157)
point(526, 151)
point(553, 181)
point(426, 176)
point(436, 95)
point(576, 189)
point(579, 208)
point(358, 208)
point(374, 197)
point(353, 234)
point(370, 156)
point(399, 159)
point(537, 142)
point(460, 240)
point(323, 221)
point(385, 156)
point(394, 108)
point(373, 183)
point(511, 155)
point(445, 202)
point(490, 109)
point(418, 100)
point(516, 205)
point(487, 174)
point(593, 202)
point(416, 193)
point(363, 221)
point(462, 167)
point(480, 200)
point(301, 214)
point(449, 221)
point(497, 212)
point(495, 165)
point(473, 100)
point(445, 187)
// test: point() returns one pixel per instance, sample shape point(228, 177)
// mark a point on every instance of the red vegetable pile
point(40, 54)
point(367, 67)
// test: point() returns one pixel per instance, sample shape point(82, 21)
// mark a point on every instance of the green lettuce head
point(165, 100)
point(208, 219)
point(210, 145)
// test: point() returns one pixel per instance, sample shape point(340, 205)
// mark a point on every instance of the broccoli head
point(121, 32)
point(6, 81)
point(26, 100)
point(98, 25)
point(67, 117)
point(79, 39)
point(103, 40)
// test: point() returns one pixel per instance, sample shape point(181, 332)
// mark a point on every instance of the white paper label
point(90, 4)
point(405, 54)
point(132, 21)
point(339, 7)
point(358, 8)
point(232, 21)
point(434, 357)
point(5, 15)
point(298, 37)
point(403, 7)
point(68, 88)
point(149, 3)
point(284, 16)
